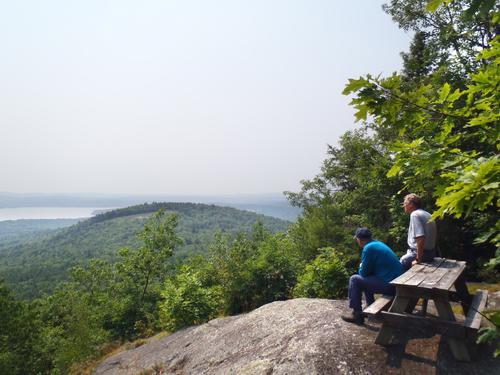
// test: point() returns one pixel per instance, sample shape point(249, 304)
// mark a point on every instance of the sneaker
point(355, 317)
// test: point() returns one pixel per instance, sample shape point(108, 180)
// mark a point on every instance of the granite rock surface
point(299, 336)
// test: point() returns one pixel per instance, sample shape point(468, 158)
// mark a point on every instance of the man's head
point(362, 236)
point(411, 203)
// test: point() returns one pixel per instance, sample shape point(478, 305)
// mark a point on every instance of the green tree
point(453, 33)
point(274, 269)
point(326, 277)
point(72, 329)
point(449, 137)
point(187, 301)
point(141, 271)
point(229, 257)
point(143, 266)
point(446, 121)
point(252, 269)
point(352, 190)
point(19, 333)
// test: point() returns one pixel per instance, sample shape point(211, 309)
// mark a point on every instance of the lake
point(48, 212)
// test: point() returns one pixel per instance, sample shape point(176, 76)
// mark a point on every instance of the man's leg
point(355, 293)
point(429, 256)
point(373, 284)
point(369, 285)
point(408, 258)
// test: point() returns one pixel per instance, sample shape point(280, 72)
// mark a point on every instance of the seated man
point(422, 233)
point(379, 266)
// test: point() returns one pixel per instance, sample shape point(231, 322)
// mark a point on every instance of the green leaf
point(362, 113)
point(433, 5)
point(394, 171)
point(445, 91)
point(486, 334)
point(491, 186)
point(474, 6)
point(354, 85)
point(482, 120)
point(455, 96)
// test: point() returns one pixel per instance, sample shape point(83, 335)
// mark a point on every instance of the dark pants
point(369, 285)
point(407, 259)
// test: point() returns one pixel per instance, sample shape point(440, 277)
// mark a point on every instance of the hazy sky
point(180, 97)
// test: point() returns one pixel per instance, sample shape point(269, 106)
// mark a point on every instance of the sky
point(181, 97)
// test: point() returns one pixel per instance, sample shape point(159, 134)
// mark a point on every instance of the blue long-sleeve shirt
point(377, 259)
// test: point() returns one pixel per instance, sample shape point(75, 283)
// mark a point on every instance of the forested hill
point(38, 264)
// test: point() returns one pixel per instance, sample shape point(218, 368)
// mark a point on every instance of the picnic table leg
point(463, 293)
point(457, 346)
point(425, 302)
point(411, 305)
point(399, 305)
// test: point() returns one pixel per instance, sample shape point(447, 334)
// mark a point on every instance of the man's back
point(377, 259)
point(421, 224)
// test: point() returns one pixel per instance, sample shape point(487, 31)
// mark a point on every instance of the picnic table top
point(441, 274)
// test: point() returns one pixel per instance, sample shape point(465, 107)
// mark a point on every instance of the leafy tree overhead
point(441, 119)
point(448, 142)
point(445, 36)
point(433, 129)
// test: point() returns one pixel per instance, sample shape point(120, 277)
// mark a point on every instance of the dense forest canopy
point(36, 264)
point(431, 129)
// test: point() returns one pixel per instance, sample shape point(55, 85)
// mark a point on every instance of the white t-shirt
point(421, 225)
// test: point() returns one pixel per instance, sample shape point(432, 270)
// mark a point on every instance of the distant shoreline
point(38, 213)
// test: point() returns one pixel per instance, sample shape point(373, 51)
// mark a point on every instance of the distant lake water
point(48, 212)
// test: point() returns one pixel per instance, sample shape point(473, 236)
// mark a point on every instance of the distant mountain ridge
point(271, 204)
point(37, 265)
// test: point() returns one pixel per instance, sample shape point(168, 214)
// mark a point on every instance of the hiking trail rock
point(299, 336)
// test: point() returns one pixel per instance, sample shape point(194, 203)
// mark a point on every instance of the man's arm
point(366, 266)
point(420, 248)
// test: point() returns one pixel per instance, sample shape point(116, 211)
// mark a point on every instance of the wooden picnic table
point(442, 280)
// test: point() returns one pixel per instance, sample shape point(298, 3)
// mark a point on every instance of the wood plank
point(418, 292)
point(473, 319)
point(425, 273)
point(408, 274)
point(433, 278)
point(380, 303)
point(439, 326)
point(455, 270)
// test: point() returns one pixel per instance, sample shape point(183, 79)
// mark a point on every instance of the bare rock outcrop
point(300, 336)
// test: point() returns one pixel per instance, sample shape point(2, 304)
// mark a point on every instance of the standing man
point(379, 266)
point(422, 233)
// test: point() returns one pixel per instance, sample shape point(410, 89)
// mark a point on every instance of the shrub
point(325, 277)
point(186, 301)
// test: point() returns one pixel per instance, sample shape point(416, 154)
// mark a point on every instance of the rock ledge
point(300, 336)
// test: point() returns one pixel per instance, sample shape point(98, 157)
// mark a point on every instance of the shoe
point(355, 317)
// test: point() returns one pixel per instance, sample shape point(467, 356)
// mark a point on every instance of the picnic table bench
point(442, 280)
